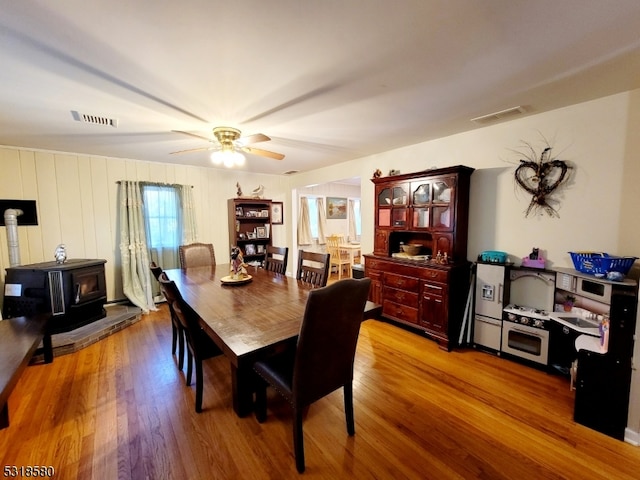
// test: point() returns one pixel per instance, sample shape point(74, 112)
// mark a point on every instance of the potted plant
point(569, 301)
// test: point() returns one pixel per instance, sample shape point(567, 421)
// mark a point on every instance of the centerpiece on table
point(238, 269)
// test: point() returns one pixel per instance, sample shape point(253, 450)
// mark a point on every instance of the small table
point(19, 338)
point(351, 248)
point(247, 322)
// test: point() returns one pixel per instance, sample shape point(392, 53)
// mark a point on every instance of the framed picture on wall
point(249, 249)
point(276, 213)
point(336, 208)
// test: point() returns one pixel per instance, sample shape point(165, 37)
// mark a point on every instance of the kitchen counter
point(576, 322)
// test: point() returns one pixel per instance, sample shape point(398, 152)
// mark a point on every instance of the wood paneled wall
point(77, 203)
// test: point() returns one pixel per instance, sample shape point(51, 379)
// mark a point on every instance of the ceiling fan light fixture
point(228, 158)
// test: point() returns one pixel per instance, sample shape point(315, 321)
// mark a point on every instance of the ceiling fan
point(228, 145)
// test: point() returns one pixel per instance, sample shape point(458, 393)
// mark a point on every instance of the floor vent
point(501, 115)
point(94, 119)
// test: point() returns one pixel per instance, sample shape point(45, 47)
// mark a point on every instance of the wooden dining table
point(248, 321)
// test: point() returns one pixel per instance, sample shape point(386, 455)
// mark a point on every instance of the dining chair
point(322, 361)
point(338, 257)
point(199, 344)
point(196, 255)
point(313, 268)
point(177, 335)
point(275, 259)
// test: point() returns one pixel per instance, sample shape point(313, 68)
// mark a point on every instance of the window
point(162, 213)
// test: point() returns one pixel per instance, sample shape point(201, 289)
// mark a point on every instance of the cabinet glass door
point(441, 191)
point(421, 217)
point(420, 193)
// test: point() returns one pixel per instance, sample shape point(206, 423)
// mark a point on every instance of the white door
point(490, 290)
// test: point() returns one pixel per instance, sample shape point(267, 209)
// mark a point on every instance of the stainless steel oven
point(525, 334)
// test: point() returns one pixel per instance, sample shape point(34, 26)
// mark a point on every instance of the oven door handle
point(526, 332)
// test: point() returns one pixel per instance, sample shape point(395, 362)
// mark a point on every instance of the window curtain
point(188, 212)
point(162, 216)
point(322, 221)
point(353, 235)
point(136, 278)
point(304, 224)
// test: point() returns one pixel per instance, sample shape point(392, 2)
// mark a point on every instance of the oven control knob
point(538, 323)
point(511, 316)
point(524, 320)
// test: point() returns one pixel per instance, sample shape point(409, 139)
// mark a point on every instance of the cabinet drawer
point(402, 297)
point(400, 281)
point(400, 312)
point(434, 289)
point(436, 275)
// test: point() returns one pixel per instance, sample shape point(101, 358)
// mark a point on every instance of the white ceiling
point(327, 80)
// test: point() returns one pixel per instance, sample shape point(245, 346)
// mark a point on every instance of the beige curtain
point(136, 276)
point(304, 224)
point(322, 221)
point(189, 230)
point(352, 221)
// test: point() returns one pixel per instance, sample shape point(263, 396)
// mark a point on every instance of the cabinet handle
point(432, 287)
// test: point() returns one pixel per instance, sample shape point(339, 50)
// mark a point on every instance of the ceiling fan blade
point(263, 153)
point(201, 149)
point(202, 137)
point(255, 138)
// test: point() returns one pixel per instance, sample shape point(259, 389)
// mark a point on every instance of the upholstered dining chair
point(323, 358)
point(313, 268)
point(196, 255)
point(199, 344)
point(177, 335)
point(339, 258)
point(275, 259)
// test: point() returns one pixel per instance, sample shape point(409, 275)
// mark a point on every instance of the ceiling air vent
point(291, 172)
point(94, 119)
point(501, 115)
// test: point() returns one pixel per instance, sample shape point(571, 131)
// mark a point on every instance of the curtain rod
point(157, 183)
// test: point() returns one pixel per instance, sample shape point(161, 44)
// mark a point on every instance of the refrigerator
point(491, 296)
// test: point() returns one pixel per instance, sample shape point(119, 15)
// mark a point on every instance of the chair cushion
point(278, 371)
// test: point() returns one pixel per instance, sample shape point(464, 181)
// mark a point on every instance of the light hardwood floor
point(120, 409)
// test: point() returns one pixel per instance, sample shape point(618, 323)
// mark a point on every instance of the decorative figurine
point(238, 267)
point(60, 254)
point(257, 192)
point(377, 173)
point(239, 191)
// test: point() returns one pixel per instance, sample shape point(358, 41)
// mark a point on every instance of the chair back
point(333, 247)
point(155, 270)
point(196, 255)
point(313, 268)
point(275, 259)
point(185, 315)
point(328, 337)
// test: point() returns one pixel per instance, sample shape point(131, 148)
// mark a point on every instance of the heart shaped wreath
point(540, 178)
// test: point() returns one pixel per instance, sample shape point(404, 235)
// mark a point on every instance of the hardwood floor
point(120, 409)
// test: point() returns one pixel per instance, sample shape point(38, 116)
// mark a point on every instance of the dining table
point(248, 320)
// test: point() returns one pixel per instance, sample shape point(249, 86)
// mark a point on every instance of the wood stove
point(74, 292)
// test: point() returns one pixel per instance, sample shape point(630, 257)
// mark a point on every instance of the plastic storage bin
point(596, 263)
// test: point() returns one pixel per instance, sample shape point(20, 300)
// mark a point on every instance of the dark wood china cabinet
point(430, 209)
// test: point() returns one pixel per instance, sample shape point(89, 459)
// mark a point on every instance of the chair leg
point(174, 337)
point(181, 342)
point(298, 439)
point(189, 367)
point(199, 386)
point(348, 408)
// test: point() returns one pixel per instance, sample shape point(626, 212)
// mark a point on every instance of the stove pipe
point(11, 222)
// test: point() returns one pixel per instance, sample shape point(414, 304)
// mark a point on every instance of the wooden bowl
point(411, 249)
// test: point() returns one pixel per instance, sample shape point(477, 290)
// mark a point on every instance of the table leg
point(47, 346)
point(242, 390)
point(4, 416)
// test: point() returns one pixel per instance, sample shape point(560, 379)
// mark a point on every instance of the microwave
point(583, 286)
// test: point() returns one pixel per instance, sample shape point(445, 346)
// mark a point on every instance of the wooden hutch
point(430, 209)
point(250, 226)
